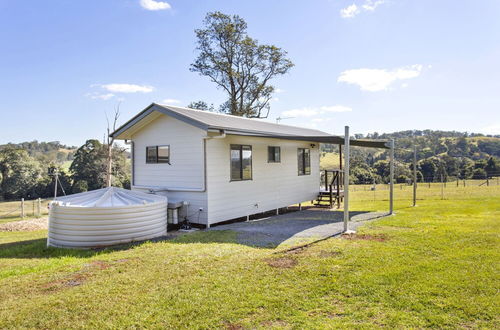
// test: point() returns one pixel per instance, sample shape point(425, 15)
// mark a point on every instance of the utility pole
point(414, 174)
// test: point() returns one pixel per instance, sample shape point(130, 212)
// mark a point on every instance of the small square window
point(273, 154)
point(158, 154)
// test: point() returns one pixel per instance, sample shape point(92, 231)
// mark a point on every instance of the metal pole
point(22, 207)
point(346, 178)
point(414, 175)
point(56, 174)
point(391, 192)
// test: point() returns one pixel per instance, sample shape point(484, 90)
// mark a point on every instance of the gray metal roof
point(241, 126)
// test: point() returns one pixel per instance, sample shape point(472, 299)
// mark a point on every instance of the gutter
point(154, 189)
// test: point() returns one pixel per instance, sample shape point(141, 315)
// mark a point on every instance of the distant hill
point(439, 153)
point(46, 152)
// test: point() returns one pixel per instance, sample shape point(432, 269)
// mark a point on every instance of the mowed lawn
point(436, 265)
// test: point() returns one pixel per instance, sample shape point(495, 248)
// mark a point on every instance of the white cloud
point(155, 5)
point(349, 11)
point(127, 88)
point(371, 5)
point(314, 111)
point(171, 101)
point(375, 80)
point(353, 10)
point(279, 90)
point(98, 96)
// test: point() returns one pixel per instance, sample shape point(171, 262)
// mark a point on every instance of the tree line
point(27, 173)
point(441, 155)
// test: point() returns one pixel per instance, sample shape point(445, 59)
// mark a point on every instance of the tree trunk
point(109, 166)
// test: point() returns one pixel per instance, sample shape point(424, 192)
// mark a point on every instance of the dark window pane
point(273, 154)
point(247, 163)
point(277, 154)
point(235, 163)
point(307, 161)
point(300, 159)
point(163, 154)
point(151, 156)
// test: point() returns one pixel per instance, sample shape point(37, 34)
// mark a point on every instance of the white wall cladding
point(105, 217)
point(185, 171)
point(274, 185)
point(186, 155)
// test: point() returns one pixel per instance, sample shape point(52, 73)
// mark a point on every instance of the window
point(158, 154)
point(304, 159)
point(273, 154)
point(241, 162)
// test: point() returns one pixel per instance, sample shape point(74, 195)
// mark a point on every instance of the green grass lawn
point(436, 265)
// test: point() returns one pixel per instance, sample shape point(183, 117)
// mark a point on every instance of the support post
point(346, 178)
point(414, 175)
point(442, 187)
point(22, 208)
point(391, 186)
point(39, 208)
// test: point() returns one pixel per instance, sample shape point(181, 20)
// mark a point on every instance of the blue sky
point(379, 65)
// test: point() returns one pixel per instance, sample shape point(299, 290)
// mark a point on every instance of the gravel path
point(25, 225)
point(296, 227)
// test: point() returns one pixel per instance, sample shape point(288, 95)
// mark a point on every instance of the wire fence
point(28, 209)
point(457, 190)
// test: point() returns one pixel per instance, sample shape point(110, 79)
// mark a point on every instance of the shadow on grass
point(268, 233)
point(37, 248)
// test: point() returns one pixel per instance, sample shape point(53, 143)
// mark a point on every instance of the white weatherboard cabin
point(224, 166)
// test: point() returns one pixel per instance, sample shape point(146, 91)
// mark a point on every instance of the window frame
point(274, 154)
point(240, 149)
point(301, 159)
point(156, 159)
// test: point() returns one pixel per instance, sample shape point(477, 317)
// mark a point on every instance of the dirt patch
point(25, 225)
point(232, 326)
point(74, 279)
point(366, 237)
point(80, 277)
point(98, 264)
point(329, 254)
point(283, 262)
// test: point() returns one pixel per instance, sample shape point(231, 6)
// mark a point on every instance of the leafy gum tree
point(238, 64)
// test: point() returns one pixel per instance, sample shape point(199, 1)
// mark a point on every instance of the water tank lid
point(109, 197)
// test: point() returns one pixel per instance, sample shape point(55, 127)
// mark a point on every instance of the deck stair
point(331, 191)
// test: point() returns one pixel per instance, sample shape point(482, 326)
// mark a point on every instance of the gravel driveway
point(296, 228)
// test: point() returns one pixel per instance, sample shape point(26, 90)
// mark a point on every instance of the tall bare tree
point(238, 64)
point(109, 144)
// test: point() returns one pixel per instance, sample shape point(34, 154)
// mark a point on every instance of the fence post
point(464, 182)
point(442, 187)
point(39, 207)
point(487, 182)
point(22, 207)
point(33, 207)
